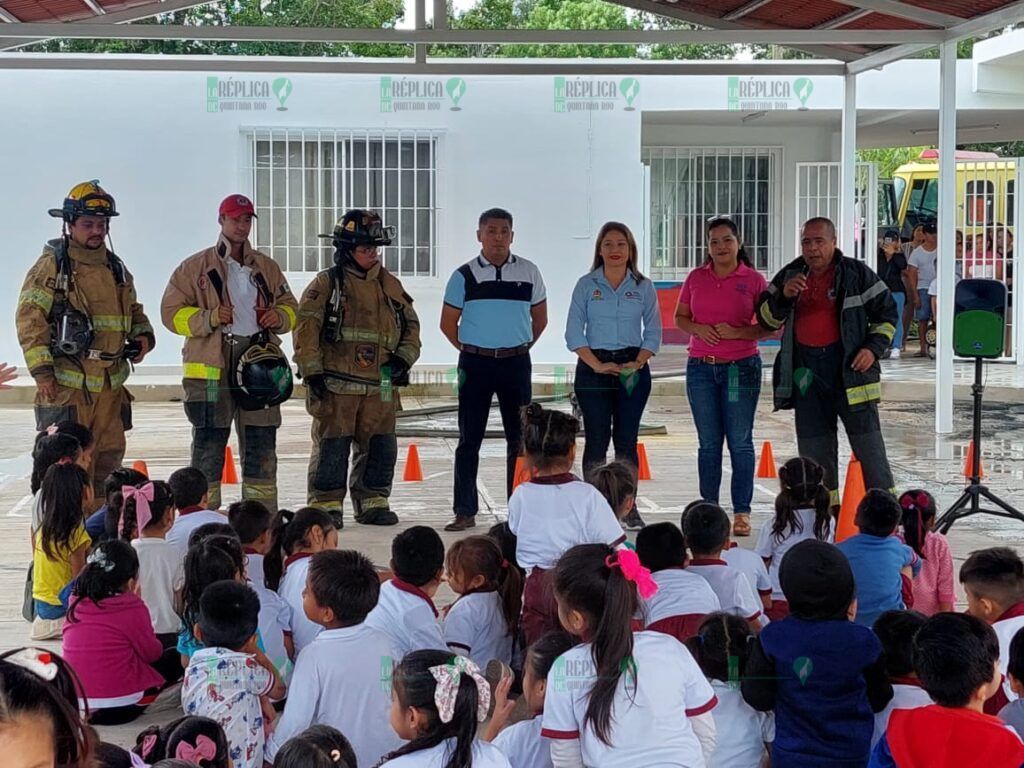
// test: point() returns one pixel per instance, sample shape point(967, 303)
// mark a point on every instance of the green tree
point(889, 158)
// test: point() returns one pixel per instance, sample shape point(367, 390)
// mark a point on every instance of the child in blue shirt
point(822, 674)
point(879, 560)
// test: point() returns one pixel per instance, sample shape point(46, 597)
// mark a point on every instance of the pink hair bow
point(204, 749)
point(629, 563)
point(143, 498)
point(448, 677)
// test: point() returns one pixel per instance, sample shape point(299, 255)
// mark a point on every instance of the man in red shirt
point(839, 318)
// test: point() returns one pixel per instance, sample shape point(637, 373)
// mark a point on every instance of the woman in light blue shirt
point(614, 327)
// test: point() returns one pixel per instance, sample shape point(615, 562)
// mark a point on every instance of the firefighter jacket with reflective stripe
point(198, 288)
point(867, 320)
point(378, 323)
point(112, 308)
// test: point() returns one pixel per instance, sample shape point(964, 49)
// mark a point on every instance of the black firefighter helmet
point(360, 227)
point(263, 377)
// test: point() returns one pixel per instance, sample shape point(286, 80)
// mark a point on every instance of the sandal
point(741, 524)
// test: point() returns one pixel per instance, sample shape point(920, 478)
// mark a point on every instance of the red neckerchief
point(561, 479)
point(707, 561)
point(906, 681)
point(1013, 612)
point(297, 556)
point(412, 589)
point(190, 510)
point(250, 551)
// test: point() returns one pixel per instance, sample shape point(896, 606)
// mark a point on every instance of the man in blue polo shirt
point(495, 309)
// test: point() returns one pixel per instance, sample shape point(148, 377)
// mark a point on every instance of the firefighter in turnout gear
point(229, 302)
point(80, 325)
point(356, 339)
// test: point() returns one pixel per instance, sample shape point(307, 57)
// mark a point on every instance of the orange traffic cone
point(140, 466)
point(969, 463)
point(522, 473)
point(644, 470)
point(413, 470)
point(853, 492)
point(230, 475)
point(766, 467)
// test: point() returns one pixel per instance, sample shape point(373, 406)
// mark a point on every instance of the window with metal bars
point(304, 180)
point(690, 185)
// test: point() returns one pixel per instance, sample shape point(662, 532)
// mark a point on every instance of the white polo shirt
point(905, 695)
point(243, 296)
point(740, 730)
point(186, 522)
point(275, 619)
point(680, 593)
point(752, 565)
point(1005, 628)
point(551, 515)
point(484, 756)
point(523, 744)
point(773, 549)
point(342, 679)
point(161, 574)
point(296, 571)
point(475, 627)
point(407, 615)
point(650, 725)
point(735, 593)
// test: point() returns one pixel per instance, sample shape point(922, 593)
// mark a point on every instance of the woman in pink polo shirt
point(723, 375)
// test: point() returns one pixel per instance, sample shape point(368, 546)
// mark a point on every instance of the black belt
point(499, 352)
point(618, 356)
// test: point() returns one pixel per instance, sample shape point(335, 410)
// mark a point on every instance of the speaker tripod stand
point(969, 502)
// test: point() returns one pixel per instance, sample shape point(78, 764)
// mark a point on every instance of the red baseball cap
point(237, 205)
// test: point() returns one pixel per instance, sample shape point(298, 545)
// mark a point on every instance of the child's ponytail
point(273, 561)
point(803, 487)
point(548, 435)
point(918, 513)
point(416, 680)
point(721, 646)
point(589, 578)
point(50, 447)
point(194, 740)
point(141, 506)
point(62, 492)
point(481, 556)
point(111, 565)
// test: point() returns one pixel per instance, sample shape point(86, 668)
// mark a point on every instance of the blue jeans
point(723, 399)
point(901, 302)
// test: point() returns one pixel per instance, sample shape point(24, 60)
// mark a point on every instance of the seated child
point(102, 524)
point(253, 523)
point(348, 655)
point(880, 561)
point(299, 753)
point(522, 742)
point(109, 639)
point(189, 487)
point(553, 512)
point(213, 559)
point(333, 743)
point(801, 512)
point(1013, 713)
point(225, 678)
point(683, 598)
point(706, 529)
point(147, 514)
point(933, 586)
point(822, 674)
point(896, 630)
point(721, 647)
point(994, 582)
point(50, 447)
point(957, 660)
point(616, 481)
point(300, 535)
point(483, 621)
point(405, 610)
point(189, 740)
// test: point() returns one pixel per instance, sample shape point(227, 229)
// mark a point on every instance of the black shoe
point(339, 519)
point(461, 523)
point(376, 516)
point(632, 521)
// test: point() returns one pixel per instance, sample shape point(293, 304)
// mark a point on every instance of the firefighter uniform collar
point(95, 256)
point(354, 269)
point(223, 249)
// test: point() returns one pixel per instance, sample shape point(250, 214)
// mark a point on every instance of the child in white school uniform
point(301, 535)
point(405, 610)
point(896, 631)
point(189, 488)
point(522, 742)
point(438, 698)
point(801, 512)
point(621, 699)
point(482, 622)
point(553, 512)
point(253, 523)
point(683, 598)
point(342, 678)
point(721, 647)
point(706, 529)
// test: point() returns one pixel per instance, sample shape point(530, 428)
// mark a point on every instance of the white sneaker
point(46, 629)
point(895, 354)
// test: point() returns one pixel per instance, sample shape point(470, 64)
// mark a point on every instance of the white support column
point(848, 168)
point(947, 238)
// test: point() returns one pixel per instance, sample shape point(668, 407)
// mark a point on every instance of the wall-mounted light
point(991, 127)
point(753, 116)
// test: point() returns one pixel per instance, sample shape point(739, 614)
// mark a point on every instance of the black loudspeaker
point(979, 318)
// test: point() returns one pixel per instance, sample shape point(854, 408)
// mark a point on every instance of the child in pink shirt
point(933, 586)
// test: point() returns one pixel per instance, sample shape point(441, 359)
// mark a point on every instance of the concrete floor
point(161, 438)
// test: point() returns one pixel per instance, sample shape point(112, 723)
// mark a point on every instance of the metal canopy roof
point(852, 35)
